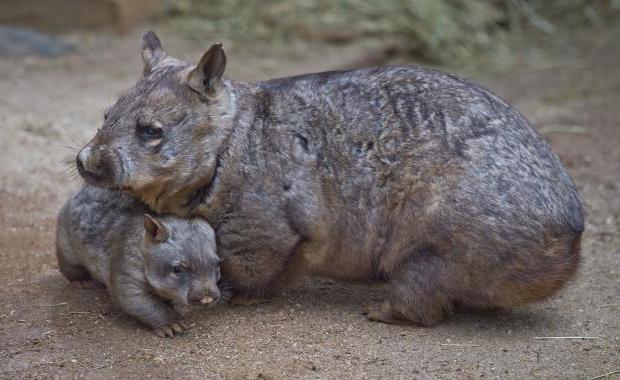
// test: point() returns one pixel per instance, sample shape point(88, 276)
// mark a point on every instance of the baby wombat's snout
point(202, 293)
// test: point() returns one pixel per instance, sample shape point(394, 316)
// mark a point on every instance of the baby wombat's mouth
point(206, 300)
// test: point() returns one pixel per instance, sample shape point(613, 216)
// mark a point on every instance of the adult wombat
point(398, 175)
point(154, 267)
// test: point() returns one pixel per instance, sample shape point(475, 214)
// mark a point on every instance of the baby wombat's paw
point(87, 284)
point(170, 329)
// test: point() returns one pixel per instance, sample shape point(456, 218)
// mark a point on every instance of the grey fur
point(101, 236)
point(399, 175)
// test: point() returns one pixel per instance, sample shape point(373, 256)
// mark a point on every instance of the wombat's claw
point(87, 284)
point(169, 329)
point(378, 313)
point(184, 325)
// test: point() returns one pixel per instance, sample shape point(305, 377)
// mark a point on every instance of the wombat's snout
point(89, 164)
point(205, 296)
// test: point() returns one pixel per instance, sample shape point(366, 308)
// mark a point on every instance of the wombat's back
point(405, 127)
point(429, 161)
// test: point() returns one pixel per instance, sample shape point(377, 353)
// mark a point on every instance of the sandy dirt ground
point(48, 108)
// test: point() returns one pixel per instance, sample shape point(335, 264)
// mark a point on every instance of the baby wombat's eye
point(177, 269)
point(149, 131)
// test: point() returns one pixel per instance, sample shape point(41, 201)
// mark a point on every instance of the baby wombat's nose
point(89, 160)
point(207, 300)
point(205, 297)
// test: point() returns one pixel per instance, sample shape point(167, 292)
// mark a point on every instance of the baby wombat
point(398, 175)
point(154, 267)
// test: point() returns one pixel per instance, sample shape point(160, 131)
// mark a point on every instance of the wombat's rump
point(393, 174)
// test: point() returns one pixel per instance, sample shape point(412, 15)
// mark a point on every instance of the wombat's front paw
point(87, 284)
point(170, 329)
point(379, 313)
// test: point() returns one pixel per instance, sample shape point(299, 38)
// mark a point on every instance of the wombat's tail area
point(552, 269)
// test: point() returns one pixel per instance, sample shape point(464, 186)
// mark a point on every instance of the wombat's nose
point(88, 161)
point(205, 298)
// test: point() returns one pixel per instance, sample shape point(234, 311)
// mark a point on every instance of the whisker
point(74, 135)
point(76, 182)
point(225, 296)
point(226, 291)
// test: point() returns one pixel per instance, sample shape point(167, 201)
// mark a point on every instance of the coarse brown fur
point(398, 175)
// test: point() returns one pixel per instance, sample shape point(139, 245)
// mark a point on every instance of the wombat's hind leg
point(87, 284)
point(75, 273)
point(416, 293)
point(79, 276)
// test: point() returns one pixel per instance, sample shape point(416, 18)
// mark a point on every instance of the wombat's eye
point(150, 131)
point(177, 269)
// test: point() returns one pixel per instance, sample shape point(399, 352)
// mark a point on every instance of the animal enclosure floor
point(48, 108)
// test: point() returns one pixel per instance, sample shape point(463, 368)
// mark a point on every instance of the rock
point(16, 41)
point(67, 15)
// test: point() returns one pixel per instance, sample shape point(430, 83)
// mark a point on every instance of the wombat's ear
point(154, 230)
point(152, 52)
point(206, 77)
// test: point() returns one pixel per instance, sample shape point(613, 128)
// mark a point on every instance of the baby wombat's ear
point(154, 230)
point(152, 52)
point(206, 77)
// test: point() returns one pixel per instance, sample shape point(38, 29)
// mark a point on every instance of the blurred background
point(441, 32)
point(63, 62)
point(449, 32)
